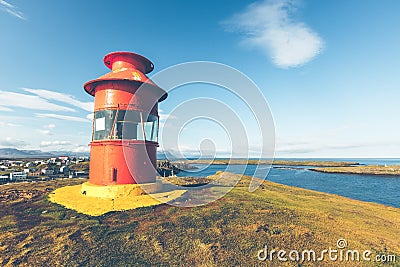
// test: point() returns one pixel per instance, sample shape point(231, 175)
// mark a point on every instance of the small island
point(366, 170)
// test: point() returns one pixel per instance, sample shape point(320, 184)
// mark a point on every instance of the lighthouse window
point(100, 124)
point(103, 121)
point(150, 123)
point(125, 124)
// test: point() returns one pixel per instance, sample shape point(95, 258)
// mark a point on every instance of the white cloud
point(36, 114)
point(47, 129)
point(90, 116)
point(50, 126)
point(164, 117)
point(268, 26)
point(3, 124)
point(81, 149)
point(68, 99)
point(11, 9)
point(10, 142)
point(326, 147)
point(61, 117)
point(11, 99)
point(5, 109)
point(55, 143)
point(46, 132)
point(300, 148)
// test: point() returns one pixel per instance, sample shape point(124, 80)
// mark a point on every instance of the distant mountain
point(13, 153)
point(163, 155)
point(70, 153)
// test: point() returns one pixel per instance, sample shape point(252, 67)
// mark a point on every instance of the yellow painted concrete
point(120, 190)
point(109, 199)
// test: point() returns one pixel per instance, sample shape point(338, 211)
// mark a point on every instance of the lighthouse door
point(114, 174)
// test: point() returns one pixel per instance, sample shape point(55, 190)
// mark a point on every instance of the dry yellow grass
point(227, 232)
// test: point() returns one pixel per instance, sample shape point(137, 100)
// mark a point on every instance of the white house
point(47, 171)
point(64, 169)
point(18, 176)
point(28, 164)
point(51, 160)
point(16, 163)
point(28, 170)
point(64, 158)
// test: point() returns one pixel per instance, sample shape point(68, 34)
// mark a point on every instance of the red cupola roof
point(126, 66)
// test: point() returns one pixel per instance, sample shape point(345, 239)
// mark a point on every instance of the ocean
point(372, 188)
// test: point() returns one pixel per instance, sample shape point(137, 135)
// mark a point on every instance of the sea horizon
point(366, 160)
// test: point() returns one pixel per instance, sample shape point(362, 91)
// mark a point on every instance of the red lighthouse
point(124, 142)
point(125, 122)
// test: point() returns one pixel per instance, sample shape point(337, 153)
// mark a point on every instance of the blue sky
point(328, 69)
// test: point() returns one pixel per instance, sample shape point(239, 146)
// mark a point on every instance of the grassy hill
point(227, 232)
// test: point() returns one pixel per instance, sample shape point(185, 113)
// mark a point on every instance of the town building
point(18, 176)
point(4, 179)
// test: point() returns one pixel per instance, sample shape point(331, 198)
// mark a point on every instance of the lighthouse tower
point(125, 122)
point(124, 142)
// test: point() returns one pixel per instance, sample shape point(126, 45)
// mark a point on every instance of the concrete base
point(97, 200)
point(120, 190)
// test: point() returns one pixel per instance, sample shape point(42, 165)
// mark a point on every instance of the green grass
point(227, 232)
point(81, 166)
